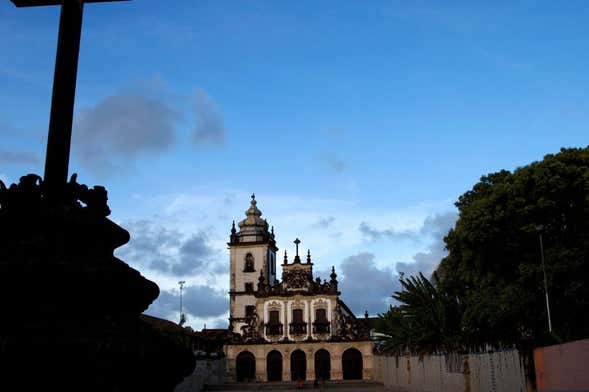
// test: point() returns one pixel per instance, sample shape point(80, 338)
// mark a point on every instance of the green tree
point(426, 320)
point(494, 267)
point(490, 289)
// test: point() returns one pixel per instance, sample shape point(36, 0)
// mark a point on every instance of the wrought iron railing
point(321, 327)
point(298, 328)
point(274, 329)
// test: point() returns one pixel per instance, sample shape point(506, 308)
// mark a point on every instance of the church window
point(249, 263)
point(298, 326)
point(320, 315)
point(274, 327)
point(249, 287)
point(274, 317)
point(250, 310)
point(297, 316)
point(321, 324)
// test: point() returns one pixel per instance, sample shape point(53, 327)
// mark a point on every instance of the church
point(294, 328)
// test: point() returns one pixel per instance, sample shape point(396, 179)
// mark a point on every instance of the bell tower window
point(249, 263)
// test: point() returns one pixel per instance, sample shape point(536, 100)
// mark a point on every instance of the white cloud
point(200, 219)
point(121, 127)
point(19, 158)
point(210, 128)
point(5, 179)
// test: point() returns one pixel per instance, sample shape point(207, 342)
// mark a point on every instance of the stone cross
point(64, 90)
point(297, 242)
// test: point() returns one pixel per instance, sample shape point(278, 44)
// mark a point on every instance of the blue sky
point(357, 124)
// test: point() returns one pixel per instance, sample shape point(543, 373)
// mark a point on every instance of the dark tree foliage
point(427, 319)
point(493, 270)
point(494, 263)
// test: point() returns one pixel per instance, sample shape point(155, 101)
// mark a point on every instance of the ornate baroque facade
point(288, 329)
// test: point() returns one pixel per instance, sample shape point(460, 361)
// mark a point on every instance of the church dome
point(253, 228)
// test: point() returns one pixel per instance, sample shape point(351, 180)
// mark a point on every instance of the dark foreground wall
point(563, 367)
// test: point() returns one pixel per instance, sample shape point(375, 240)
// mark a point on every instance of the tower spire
point(333, 276)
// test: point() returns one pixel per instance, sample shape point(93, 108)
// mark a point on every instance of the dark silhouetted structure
point(70, 309)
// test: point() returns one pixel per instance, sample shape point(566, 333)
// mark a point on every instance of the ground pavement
point(335, 386)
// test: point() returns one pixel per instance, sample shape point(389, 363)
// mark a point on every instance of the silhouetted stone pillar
point(70, 308)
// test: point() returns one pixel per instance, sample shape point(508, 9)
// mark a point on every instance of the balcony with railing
point(298, 328)
point(274, 329)
point(321, 327)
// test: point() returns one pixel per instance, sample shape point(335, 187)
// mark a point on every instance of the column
point(286, 365)
point(336, 362)
point(308, 319)
point(287, 318)
point(310, 364)
point(260, 354)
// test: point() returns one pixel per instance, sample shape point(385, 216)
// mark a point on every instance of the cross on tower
point(297, 242)
point(64, 90)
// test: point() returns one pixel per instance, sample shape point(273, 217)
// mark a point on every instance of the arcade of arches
point(291, 362)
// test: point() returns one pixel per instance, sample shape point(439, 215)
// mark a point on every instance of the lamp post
point(182, 318)
point(539, 229)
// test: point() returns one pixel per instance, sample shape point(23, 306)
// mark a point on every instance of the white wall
point(479, 372)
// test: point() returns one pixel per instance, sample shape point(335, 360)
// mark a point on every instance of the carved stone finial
point(261, 281)
point(285, 257)
point(308, 256)
point(233, 236)
point(333, 277)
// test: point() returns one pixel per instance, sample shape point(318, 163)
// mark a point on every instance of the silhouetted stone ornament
point(70, 307)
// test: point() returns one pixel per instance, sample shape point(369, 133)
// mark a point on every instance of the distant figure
point(300, 384)
point(315, 383)
point(321, 384)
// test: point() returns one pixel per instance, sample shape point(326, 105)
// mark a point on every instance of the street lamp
point(182, 317)
point(539, 229)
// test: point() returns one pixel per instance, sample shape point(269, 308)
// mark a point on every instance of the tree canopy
point(493, 270)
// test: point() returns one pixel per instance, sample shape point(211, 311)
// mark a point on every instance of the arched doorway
point(322, 364)
point(274, 366)
point(245, 366)
point(352, 364)
point(298, 365)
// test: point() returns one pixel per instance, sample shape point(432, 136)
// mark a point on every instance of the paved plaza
point(339, 386)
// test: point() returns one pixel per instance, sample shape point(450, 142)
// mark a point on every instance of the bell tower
point(252, 257)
